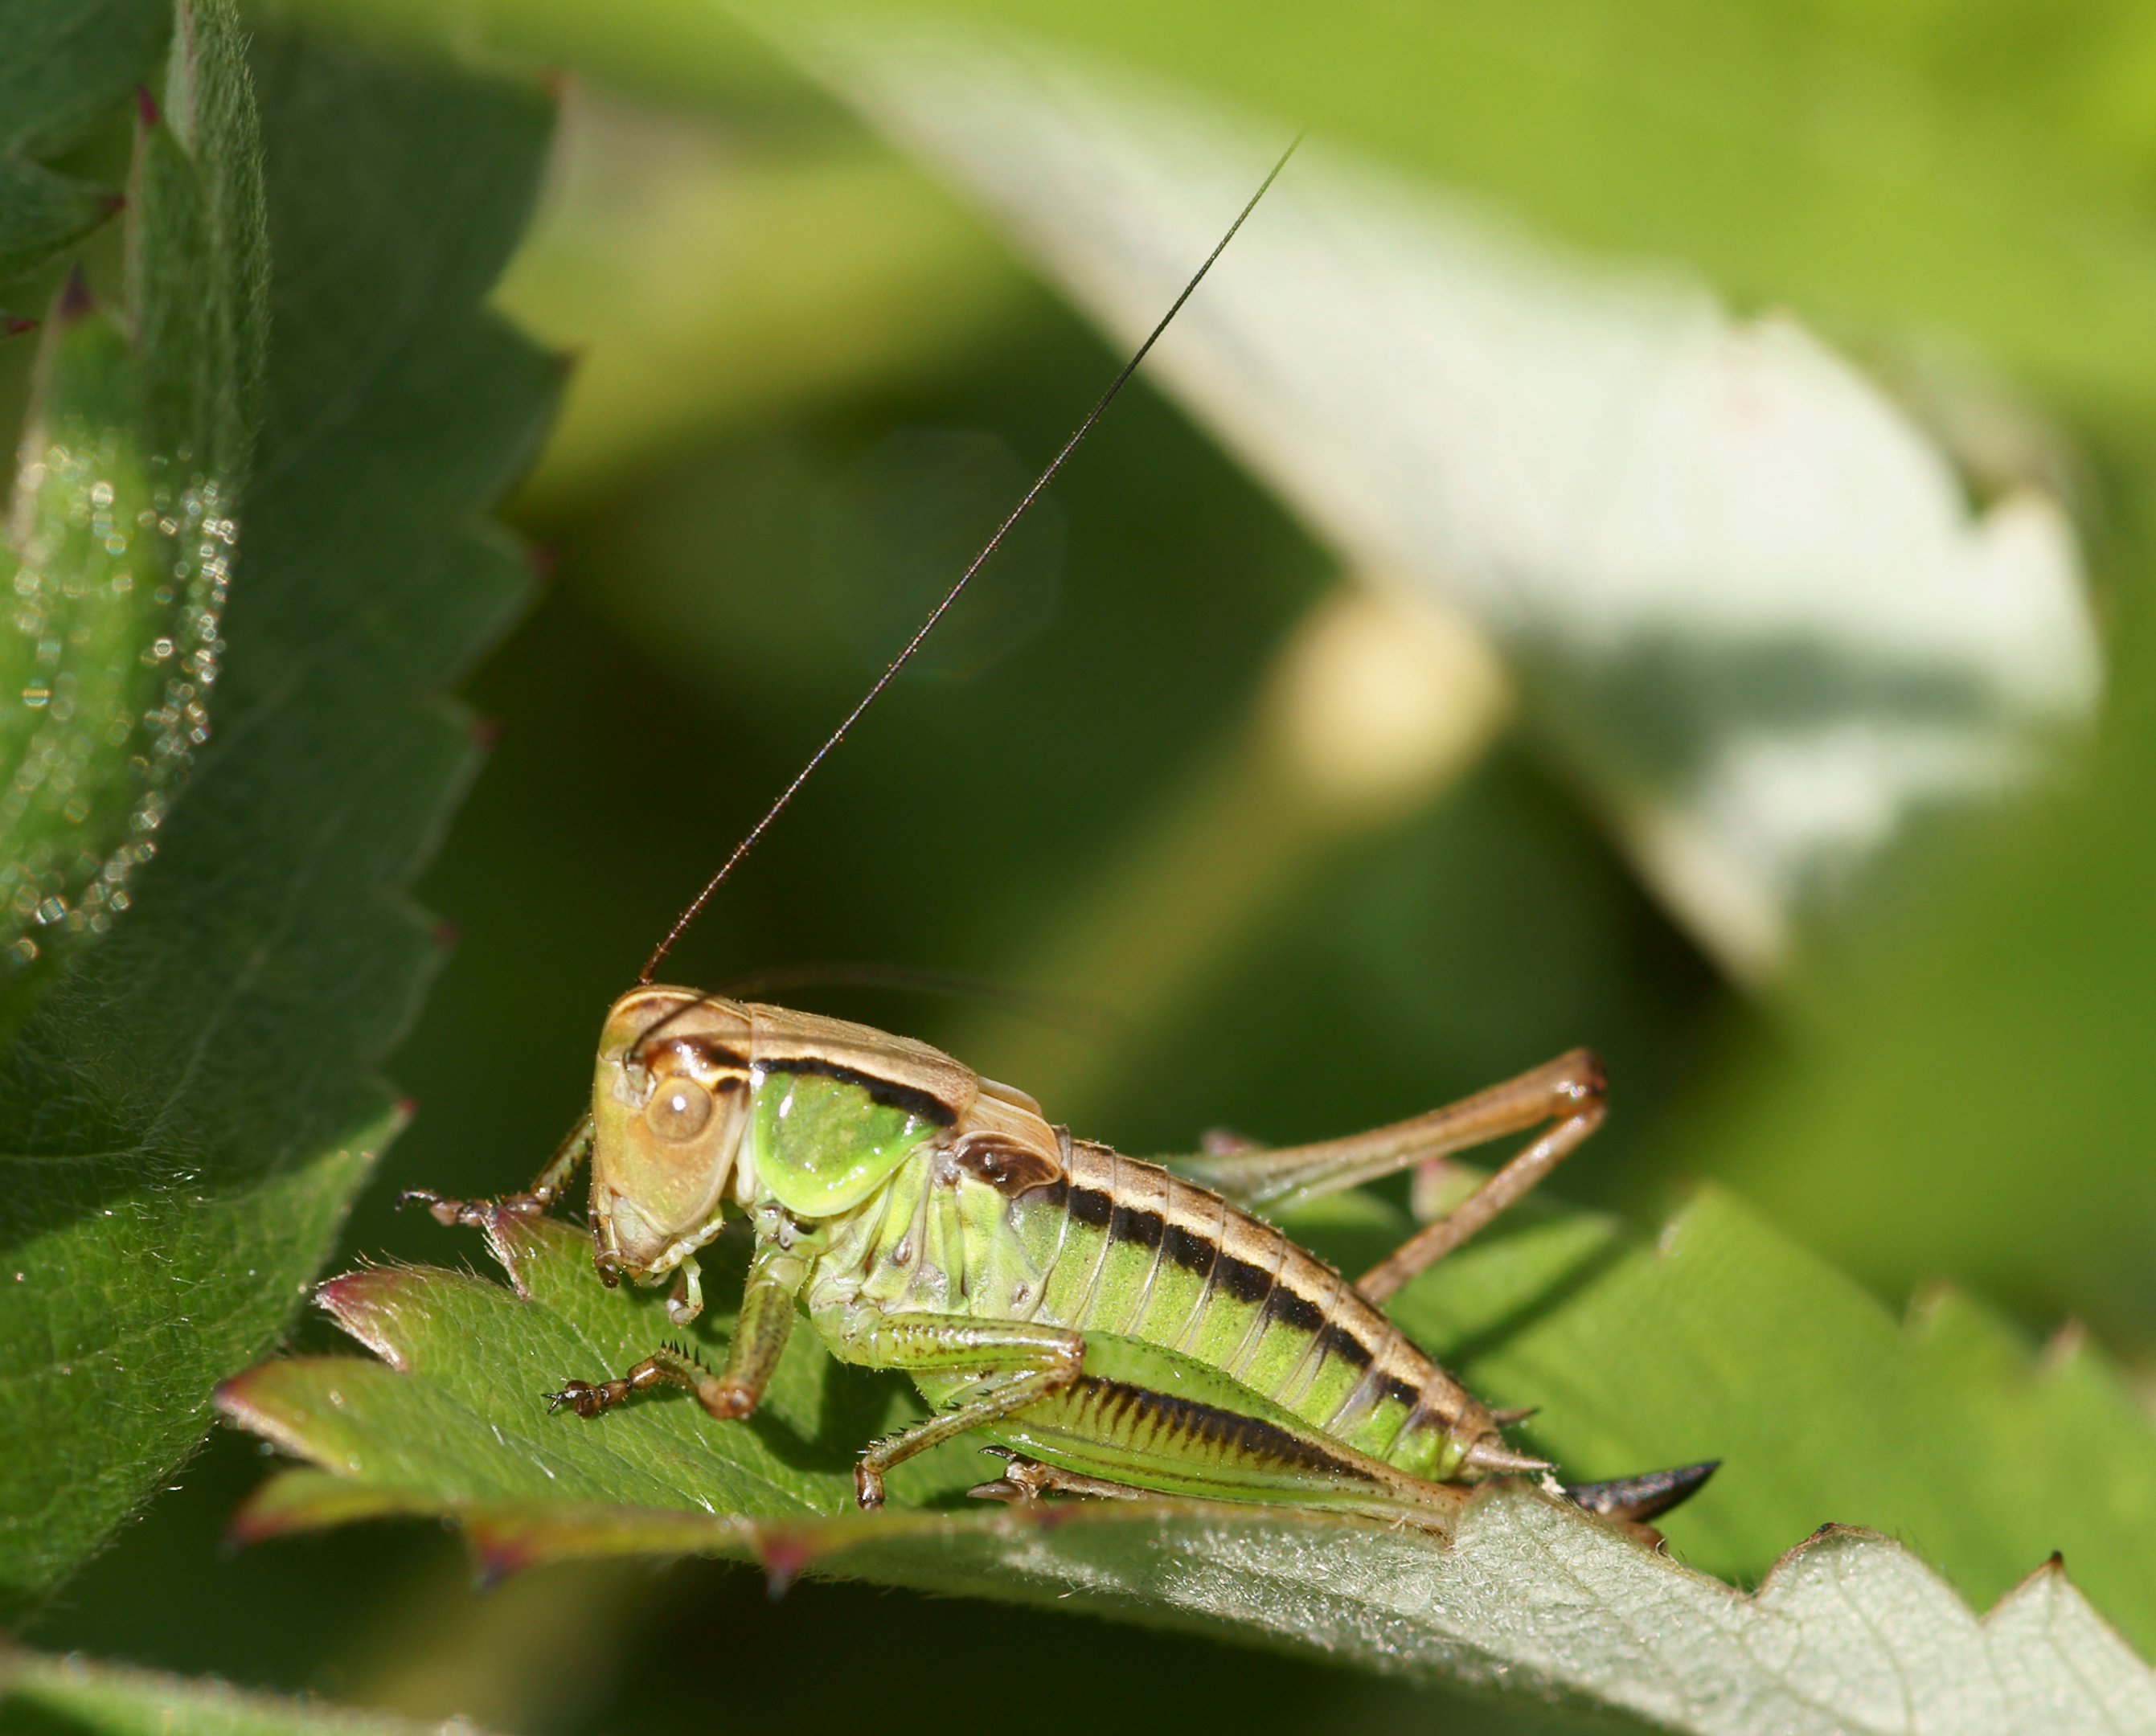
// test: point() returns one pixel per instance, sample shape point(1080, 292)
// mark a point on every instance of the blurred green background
point(780, 322)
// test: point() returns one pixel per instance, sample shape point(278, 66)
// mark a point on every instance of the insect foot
point(585, 1399)
point(728, 1400)
point(1029, 1481)
point(868, 1488)
point(473, 1214)
point(726, 1397)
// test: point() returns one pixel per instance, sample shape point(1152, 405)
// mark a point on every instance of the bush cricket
point(1113, 1327)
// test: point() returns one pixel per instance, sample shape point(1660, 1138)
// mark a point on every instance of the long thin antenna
point(785, 796)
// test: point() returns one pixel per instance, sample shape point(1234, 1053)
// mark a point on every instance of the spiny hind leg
point(1022, 1364)
point(1434, 1241)
point(1568, 1091)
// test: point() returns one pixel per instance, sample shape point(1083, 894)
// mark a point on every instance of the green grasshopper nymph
point(1111, 1327)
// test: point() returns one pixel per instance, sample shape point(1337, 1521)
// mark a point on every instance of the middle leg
point(1020, 1364)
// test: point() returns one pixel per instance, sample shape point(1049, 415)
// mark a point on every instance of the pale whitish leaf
point(1850, 1631)
point(1742, 591)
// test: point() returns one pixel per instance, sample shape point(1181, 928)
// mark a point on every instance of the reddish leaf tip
point(15, 325)
point(781, 1556)
point(75, 301)
point(494, 1562)
point(236, 1399)
point(447, 933)
point(146, 112)
point(486, 732)
point(247, 1528)
point(365, 1304)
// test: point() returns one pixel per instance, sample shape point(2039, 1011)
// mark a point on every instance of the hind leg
point(1568, 1091)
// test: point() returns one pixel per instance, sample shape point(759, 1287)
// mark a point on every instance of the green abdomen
point(1124, 1247)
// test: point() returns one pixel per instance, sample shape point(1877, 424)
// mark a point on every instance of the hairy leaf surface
point(185, 1116)
point(1533, 1594)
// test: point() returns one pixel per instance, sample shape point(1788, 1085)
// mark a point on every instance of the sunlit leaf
point(1743, 592)
point(452, 1421)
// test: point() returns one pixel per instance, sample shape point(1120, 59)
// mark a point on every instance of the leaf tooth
point(368, 1304)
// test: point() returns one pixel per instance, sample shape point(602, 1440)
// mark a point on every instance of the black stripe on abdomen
point(1168, 1418)
point(1289, 1308)
point(1091, 1206)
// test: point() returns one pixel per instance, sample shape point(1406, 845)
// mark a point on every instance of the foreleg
point(775, 1278)
point(547, 1186)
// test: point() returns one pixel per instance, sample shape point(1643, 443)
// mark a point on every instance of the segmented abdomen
point(1126, 1247)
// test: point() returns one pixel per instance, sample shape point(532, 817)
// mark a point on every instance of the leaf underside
point(1533, 1595)
point(185, 1117)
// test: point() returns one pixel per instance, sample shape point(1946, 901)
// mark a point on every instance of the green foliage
point(42, 212)
point(1955, 1092)
point(185, 1116)
point(69, 1694)
point(1951, 191)
point(1906, 170)
point(1722, 1338)
point(65, 66)
point(1531, 1592)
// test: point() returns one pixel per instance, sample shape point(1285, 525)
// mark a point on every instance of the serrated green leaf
point(42, 212)
point(110, 1700)
point(117, 577)
point(68, 61)
point(185, 1116)
point(1724, 1339)
point(1849, 1630)
point(1720, 1339)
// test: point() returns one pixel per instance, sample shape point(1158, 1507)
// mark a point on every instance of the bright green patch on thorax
point(824, 1143)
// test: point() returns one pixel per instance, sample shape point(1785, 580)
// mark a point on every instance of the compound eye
point(679, 1109)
